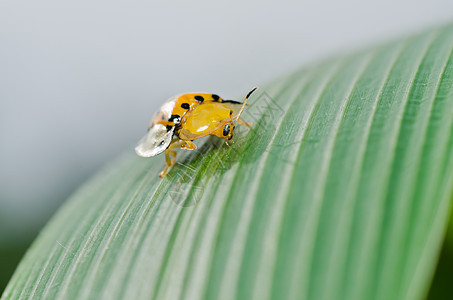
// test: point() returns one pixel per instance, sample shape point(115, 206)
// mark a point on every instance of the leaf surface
point(341, 190)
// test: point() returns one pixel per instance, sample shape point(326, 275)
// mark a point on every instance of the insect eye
point(161, 143)
point(226, 129)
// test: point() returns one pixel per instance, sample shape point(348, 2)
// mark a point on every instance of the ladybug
point(187, 117)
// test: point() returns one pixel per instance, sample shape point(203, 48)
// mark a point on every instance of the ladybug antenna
point(243, 103)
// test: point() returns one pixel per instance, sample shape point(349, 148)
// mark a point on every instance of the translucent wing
point(155, 141)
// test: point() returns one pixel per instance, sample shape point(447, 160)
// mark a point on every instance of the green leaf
point(341, 190)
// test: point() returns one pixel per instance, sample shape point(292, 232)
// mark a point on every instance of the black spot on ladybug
point(185, 105)
point(169, 128)
point(226, 130)
point(199, 98)
point(215, 97)
point(175, 118)
point(231, 112)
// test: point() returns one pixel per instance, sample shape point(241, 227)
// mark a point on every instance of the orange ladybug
point(187, 117)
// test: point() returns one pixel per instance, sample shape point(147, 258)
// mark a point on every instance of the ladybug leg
point(189, 145)
point(243, 123)
point(173, 153)
point(168, 165)
point(168, 154)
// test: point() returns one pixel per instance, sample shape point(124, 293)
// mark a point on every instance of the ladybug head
point(228, 130)
point(228, 127)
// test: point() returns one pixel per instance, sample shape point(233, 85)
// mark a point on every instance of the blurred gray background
point(79, 80)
